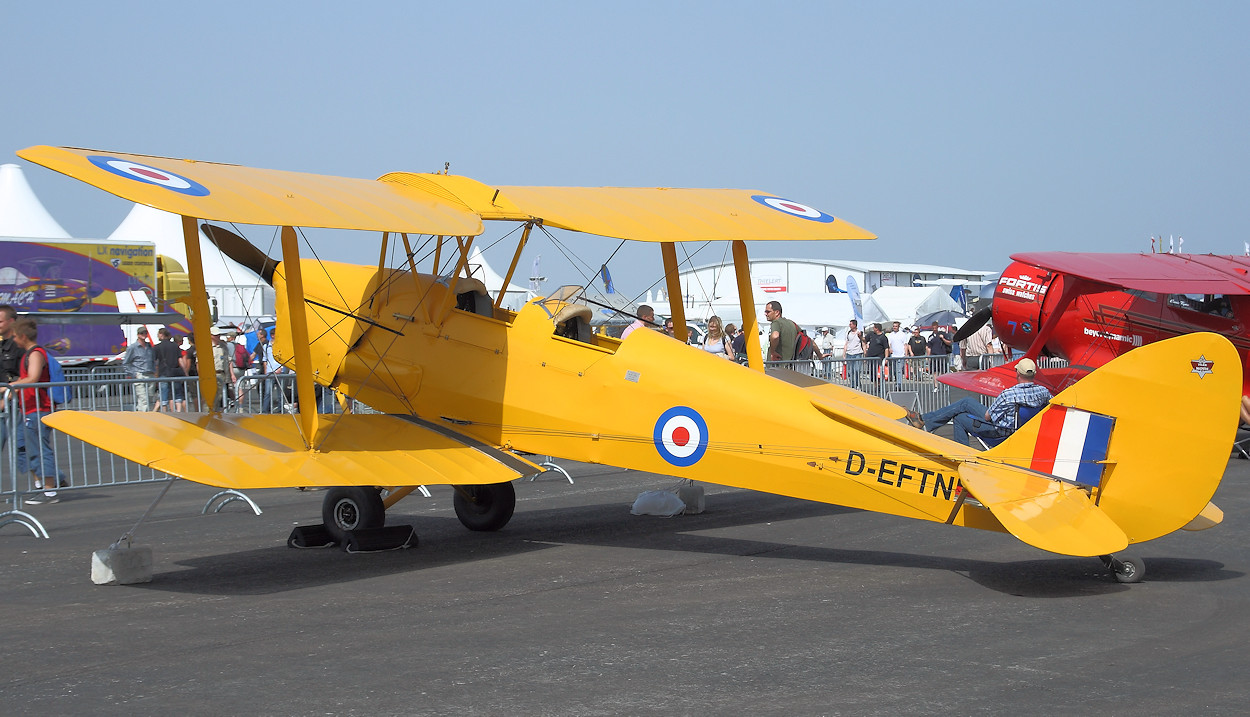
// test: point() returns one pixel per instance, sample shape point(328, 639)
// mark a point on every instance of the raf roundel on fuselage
point(681, 436)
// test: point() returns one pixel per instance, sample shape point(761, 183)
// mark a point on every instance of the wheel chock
point(310, 536)
point(372, 540)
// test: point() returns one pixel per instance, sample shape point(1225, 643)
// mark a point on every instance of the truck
point(83, 292)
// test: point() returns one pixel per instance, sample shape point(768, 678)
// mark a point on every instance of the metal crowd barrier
point(881, 377)
point(105, 388)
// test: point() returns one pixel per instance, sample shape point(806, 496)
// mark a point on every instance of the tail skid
point(1168, 412)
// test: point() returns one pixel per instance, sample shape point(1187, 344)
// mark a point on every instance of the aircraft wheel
point(485, 507)
point(1128, 568)
point(352, 508)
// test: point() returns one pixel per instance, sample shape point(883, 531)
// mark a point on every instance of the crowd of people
point(149, 362)
point(24, 361)
point(879, 353)
point(872, 347)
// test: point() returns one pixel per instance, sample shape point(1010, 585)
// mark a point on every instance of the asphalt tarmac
point(760, 606)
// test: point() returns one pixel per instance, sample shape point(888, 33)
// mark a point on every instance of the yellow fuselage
point(508, 380)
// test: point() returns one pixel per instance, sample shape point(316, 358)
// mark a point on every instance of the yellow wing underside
point(250, 452)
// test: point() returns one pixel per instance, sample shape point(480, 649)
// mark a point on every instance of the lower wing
point(247, 452)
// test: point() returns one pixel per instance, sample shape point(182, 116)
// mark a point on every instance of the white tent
point(514, 297)
point(240, 294)
point(21, 212)
point(906, 304)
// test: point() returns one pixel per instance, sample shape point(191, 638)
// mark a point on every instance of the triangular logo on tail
point(1072, 444)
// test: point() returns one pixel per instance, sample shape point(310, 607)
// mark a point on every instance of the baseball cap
point(216, 331)
point(1026, 367)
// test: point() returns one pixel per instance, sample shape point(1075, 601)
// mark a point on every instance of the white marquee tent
point(21, 212)
point(514, 297)
point(906, 304)
point(240, 294)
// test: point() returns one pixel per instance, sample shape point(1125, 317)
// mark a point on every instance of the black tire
point(1128, 569)
point(485, 507)
point(352, 508)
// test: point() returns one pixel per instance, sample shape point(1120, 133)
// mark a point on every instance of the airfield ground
point(761, 605)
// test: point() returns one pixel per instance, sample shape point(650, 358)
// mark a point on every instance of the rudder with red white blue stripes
point(1072, 444)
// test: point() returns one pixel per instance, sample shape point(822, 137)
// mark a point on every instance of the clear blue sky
point(959, 132)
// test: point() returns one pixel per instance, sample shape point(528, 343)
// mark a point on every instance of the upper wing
point(1160, 273)
point(436, 203)
point(652, 214)
point(244, 195)
point(241, 451)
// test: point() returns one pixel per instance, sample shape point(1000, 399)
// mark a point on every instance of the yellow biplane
point(465, 389)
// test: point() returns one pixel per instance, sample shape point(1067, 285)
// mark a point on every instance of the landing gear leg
point(1125, 568)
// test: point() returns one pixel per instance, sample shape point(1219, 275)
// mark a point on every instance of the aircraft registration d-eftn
point(466, 389)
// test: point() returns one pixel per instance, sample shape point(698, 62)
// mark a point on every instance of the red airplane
point(1090, 308)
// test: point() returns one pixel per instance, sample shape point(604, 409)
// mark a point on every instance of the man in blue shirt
point(970, 417)
point(939, 341)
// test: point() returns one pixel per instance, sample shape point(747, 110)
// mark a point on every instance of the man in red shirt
point(36, 403)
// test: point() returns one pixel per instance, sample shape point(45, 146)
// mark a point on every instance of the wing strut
point(386, 237)
point(516, 257)
point(746, 300)
point(412, 272)
point(200, 316)
point(672, 279)
point(299, 335)
point(449, 302)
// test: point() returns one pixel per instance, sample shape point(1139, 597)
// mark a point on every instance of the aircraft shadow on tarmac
point(444, 542)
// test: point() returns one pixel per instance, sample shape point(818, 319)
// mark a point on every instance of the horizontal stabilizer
point(1044, 513)
point(824, 391)
point(248, 452)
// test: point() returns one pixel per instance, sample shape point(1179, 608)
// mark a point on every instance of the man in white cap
point(221, 365)
point(826, 340)
point(972, 418)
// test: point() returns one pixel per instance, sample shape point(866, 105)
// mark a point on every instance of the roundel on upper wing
point(150, 175)
point(680, 436)
point(793, 208)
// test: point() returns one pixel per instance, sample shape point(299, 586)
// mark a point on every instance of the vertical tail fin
point(1150, 433)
